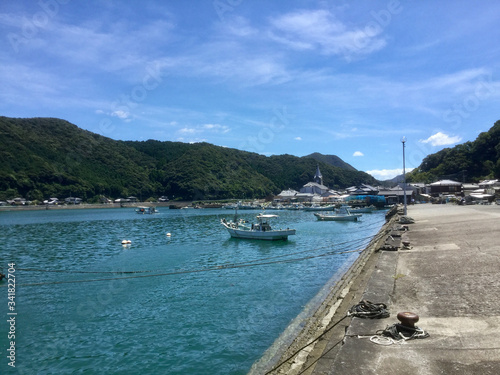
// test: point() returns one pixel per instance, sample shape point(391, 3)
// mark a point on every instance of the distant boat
point(273, 207)
point(341, 214)
point(363, 210)
point(319, 208)
point(259, 231)
point(146, 210)
point(243, 206)
point(294, 207)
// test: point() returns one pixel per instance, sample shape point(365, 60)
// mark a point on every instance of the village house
point(446, 187)
point(396, 195)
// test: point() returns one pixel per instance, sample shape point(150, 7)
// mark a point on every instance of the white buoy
point(168, 235)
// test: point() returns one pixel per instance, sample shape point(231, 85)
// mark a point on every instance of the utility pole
point(403, 141)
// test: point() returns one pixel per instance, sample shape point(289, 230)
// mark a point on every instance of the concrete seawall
point(448, 275)
point(336, 296)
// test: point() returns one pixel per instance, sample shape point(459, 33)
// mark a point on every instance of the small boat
point(269, 207)
point(363, 210)
point(294, 207)
point(146, 210)
point(243, 206)
point(341, 214)
point(259, 231)
point(319, 208)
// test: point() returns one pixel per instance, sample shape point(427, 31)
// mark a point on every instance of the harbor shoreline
point(330, 304)
point(87, 206)
point(445, 276)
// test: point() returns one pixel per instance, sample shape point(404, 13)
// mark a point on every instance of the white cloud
point(216, 128)
point(441, 139)
point(121, 114)
point(320, 30)
point(387, 174)
point(358, 153)
point(298, 138)
point(203, 130)
point(187, 131)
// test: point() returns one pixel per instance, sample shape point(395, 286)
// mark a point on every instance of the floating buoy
point(126, 242)
point(168, 235)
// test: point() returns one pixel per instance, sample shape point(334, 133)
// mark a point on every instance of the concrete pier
point(448, 274)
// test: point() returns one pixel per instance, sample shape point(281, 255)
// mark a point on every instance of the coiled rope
point(369, 310)
point(400, 332)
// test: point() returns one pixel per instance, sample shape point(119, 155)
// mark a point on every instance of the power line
point(252, 263)
point(354, 243)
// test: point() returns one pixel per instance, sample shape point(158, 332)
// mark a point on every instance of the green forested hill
point(332, 160)
point(46, 157)
point(472, 161)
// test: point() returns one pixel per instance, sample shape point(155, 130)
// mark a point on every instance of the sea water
point(194, 302)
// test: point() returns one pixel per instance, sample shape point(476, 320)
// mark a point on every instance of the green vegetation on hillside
point(46, 157)
point(470, 161)
point(332, 160)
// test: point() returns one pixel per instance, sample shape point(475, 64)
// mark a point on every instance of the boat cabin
point(263, 223)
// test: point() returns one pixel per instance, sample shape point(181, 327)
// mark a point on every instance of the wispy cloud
point(124, 115)
point(187, 131)
point(220, 79)
point(217, 128)
point(358, 153)
point(238, 26)
point(320, 30)
point(441, 139)
point(206, 128)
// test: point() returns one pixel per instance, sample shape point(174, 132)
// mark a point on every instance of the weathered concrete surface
point(450, 277)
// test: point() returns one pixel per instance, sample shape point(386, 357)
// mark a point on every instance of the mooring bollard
point(408, 319)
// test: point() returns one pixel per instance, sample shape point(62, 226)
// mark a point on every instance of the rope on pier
point(369, 310)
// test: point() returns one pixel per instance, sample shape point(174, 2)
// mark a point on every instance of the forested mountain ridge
point(466, 162)
point(47, 157)
point(332, 160)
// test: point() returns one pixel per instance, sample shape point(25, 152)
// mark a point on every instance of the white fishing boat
point(146, 210)
point(261, 230)
point(341, 214)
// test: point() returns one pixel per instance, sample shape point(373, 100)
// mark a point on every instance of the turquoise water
point(197, 302)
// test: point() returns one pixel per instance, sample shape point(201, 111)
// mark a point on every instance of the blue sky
point(348, 78)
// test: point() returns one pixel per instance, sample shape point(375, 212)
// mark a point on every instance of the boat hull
point(352, 217)
point(274, 235)
point(322, 208)
point(363, 210)
point(254, 234)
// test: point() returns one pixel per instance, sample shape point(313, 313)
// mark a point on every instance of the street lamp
point(403, 141)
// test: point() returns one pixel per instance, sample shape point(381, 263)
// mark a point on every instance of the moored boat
point(243, 206)
point(261, 230)
point(146, 210)
point(320, 208)
point(341, 214)
point(363, 210)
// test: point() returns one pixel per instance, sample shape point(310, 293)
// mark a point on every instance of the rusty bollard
point(408, 319)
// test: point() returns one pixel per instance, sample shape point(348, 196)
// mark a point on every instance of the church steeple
point(318, 177)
